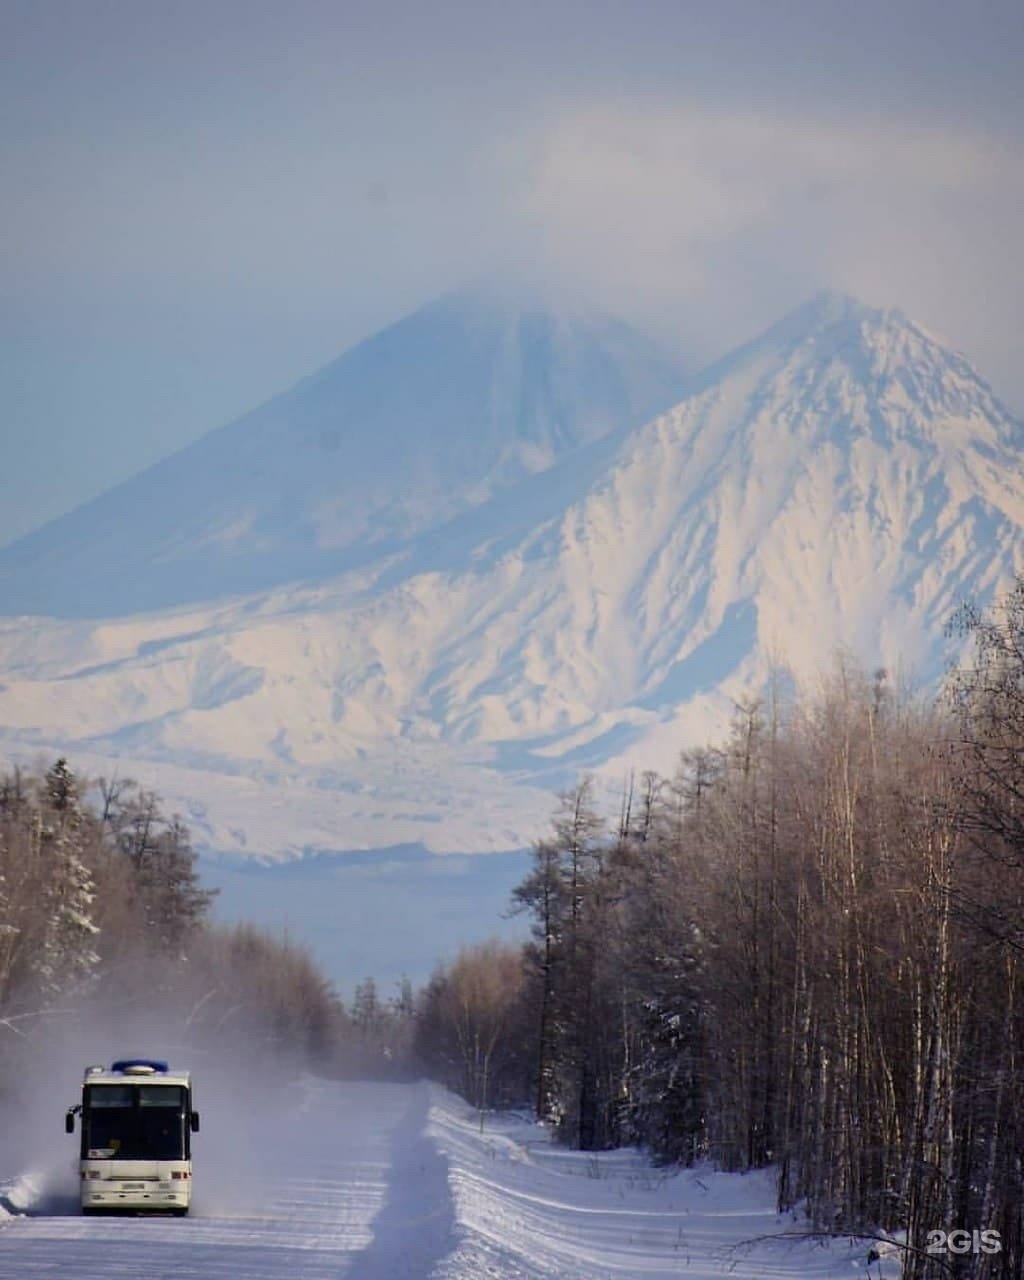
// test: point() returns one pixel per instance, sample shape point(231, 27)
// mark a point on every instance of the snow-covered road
point(322, 1200)
point(396, 1182)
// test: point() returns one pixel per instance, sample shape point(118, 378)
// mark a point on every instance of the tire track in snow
point(414, 1230)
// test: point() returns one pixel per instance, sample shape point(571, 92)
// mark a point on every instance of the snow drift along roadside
point(526, 1209)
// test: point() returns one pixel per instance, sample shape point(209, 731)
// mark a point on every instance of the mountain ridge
point(840, 483)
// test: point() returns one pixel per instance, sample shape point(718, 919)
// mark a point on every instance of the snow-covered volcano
point(428, 419)
point(843, 481)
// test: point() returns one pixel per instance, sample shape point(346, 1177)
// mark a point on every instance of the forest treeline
point(104, 921)
point(801, 949)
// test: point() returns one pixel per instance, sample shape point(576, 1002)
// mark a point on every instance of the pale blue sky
point(202, 202)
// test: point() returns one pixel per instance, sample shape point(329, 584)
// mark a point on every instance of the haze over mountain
point(427, 419)
point(842, 481)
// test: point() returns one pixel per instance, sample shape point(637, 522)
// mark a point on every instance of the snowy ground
point(396, 1182)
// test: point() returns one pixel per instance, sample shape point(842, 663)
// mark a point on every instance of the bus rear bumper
point(156, 1200)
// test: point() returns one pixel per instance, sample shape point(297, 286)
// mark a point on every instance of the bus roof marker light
point(139, 1066)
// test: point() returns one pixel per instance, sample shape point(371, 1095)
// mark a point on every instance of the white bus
point(137, 1125)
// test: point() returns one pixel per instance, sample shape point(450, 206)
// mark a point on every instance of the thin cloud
point(716, 217)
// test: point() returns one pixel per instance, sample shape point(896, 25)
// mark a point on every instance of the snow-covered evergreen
point(66, 954)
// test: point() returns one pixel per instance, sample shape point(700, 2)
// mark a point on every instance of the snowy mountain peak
point(428, 419)
point(872, 369)
point(832, 321)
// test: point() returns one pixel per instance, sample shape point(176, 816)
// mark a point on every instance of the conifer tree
point(67, 952)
